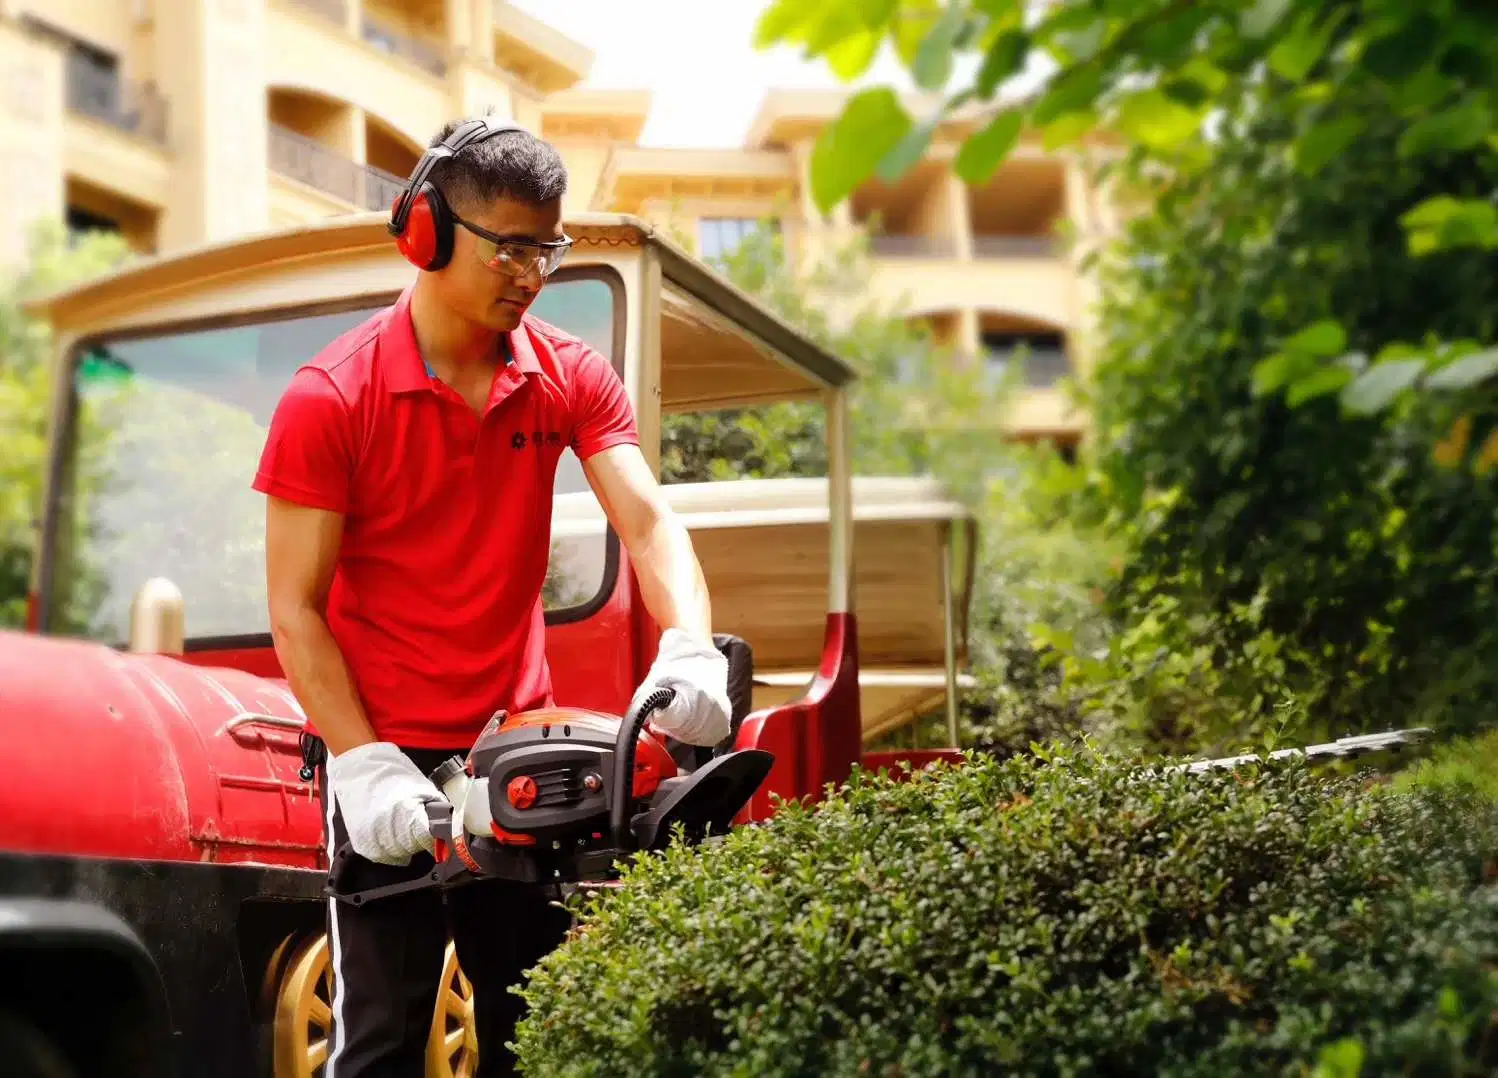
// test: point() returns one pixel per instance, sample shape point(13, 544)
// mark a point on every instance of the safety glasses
point(517, 257)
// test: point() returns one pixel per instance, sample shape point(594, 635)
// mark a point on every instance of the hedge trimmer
point(1345, 748)
point(563, 794)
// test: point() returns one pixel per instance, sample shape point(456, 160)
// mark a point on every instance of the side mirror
point(157, 622)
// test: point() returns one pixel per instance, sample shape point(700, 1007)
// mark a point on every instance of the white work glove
point(698, 671)
point(382, 797)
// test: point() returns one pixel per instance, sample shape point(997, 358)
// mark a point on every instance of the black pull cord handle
point(622, 790)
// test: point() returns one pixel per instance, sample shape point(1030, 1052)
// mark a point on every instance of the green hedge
point(1055, 916)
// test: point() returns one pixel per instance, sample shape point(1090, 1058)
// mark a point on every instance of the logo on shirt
point(536, 439)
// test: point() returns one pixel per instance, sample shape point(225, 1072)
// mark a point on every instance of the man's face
point(495, 292)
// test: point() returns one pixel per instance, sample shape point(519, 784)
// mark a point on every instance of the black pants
point(387, 959)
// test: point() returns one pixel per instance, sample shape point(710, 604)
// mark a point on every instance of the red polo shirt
point(436, 598)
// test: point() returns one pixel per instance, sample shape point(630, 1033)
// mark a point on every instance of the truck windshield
point(166, 433)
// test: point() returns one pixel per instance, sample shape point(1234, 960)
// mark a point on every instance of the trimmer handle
point(622, 790)
point(439, 819)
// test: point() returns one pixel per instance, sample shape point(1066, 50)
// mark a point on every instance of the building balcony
point(326, 182)
point(102, 95)
point(1025, 278)
point(425, 55)
point(115, 137)
point(335, 11)
point(1044, 413)
point(928, 247)
point(999, 247)
point(391, 75)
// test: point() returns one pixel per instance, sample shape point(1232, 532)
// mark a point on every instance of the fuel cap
point(446, 771)
point(522, 791)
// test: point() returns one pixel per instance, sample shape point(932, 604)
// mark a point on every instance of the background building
point(180, 122)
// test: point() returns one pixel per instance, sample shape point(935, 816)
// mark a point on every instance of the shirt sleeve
point(308, 456)
point(602, 416)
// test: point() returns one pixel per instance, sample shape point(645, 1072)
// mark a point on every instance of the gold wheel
point(304, 1017)
point(453, 1048)
point(304, 1011)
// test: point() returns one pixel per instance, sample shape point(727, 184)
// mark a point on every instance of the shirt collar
point(406, 371)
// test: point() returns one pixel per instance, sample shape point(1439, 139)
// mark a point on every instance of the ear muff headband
point(419, 219)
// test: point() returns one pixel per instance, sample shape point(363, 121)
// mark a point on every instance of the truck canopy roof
point(719, 346)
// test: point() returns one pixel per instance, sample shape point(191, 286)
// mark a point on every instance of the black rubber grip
point(622, 791)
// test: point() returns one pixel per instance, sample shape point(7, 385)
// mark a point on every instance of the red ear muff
point(423, 225)
point(427, 239)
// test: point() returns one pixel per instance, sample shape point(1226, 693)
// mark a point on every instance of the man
point(406, 546)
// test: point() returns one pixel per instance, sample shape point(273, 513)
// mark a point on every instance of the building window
point(1044, 355)
point(80, 222)
point(719, 237)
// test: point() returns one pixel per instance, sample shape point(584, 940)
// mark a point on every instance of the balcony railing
point(913, 246)
point(426, 56)
point(332, 10)
point(102, 95)
point(1044, 367)
point(1014, 247)
point(308, 161)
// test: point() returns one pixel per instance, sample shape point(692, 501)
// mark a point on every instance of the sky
point(697, 59)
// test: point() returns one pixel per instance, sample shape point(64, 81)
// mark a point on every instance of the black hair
point(515, 165)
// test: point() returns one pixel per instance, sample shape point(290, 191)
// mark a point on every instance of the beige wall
point(31, 138)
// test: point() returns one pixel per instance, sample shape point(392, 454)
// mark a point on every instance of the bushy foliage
point(1467, 764)
point(1295, 394)
point(1046, 916)
point(1281, 552)
point(25, 395)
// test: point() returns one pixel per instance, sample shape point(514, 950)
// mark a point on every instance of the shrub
point(1466, 764)
point(1044, 916)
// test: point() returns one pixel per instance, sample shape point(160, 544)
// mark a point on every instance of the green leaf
point(985, 149)
point(1073, 90)
point(1323, 338)
point(780, 21)
point(852, 56)
point(1375, 389)
point(1204, 73)
point(876, 14)
point(1270, 373)
point(1298, 50)
point(1262, 17)
point(1169, 44)
point(1466, 62)
point(1423, 89)
point(1454, 129)
point(1466, 372)
point(933, 60)
point(838, 22)
point(1080, 45)
point(1325, 142)
point(1187, 92)
point(1153, 119)
point(1326, 380)
point(1068, 128)
point(1005, 58)
point(1406, 48)
point(871, 124)
point(909, 149)
point(914, 23)
point(1441, 222)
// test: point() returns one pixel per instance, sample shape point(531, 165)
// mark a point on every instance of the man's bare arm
point(671, 580)
point(301, 548)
